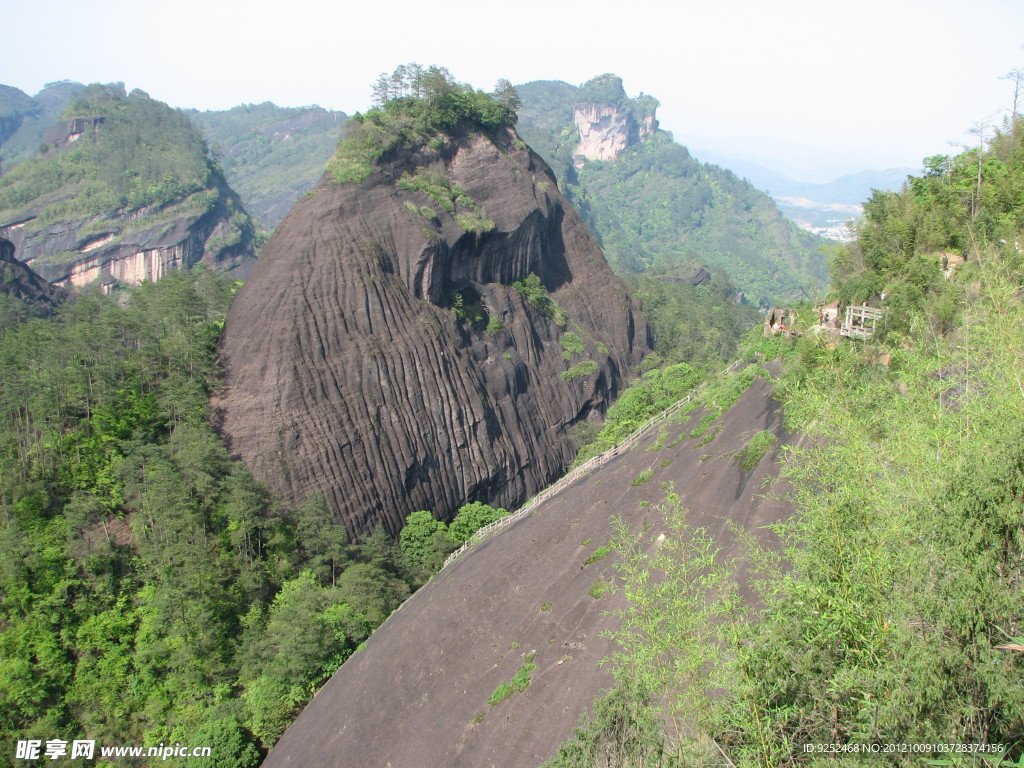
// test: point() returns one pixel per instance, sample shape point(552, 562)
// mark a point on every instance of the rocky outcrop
point(348, 374)
point(128, 247)
point(67, 132)
point(607, 129)
point(19, 282)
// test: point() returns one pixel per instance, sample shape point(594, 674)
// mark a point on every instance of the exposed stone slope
point(349, 375)
point(19, 282)
point(417, 694)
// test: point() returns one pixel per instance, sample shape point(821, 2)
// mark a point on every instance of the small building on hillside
point(861, 321)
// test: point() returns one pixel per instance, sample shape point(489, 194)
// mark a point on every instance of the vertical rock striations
point(380, 355)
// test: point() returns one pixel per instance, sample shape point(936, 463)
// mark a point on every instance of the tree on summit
point(506, 94)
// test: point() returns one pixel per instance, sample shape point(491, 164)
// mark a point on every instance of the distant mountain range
point(271, 155)
point(821, 208)
point(103, 187)
point(617, 167)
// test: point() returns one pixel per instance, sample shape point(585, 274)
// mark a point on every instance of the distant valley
point(822, 208)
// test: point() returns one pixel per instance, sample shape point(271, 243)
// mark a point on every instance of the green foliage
point(519, 682)
point(142, 154)
point(603, 89)
point(413, 107)
point(471, 518)
point(755, 450)
point(643, 477)
point(425, 542)
point(572, 344)
point(149, 588)
point(598, 588)
point(271, 155)
point(624, 730)
point(960, 204)
point(24, 120)
point(434, 184)
point(474, 222)
point(536, 295)
point(598, 554)
point(475, 314)
point(653, 393)
point(666, 650)
point(889, 615)
point(137, 155)
point(678, 595)
point(656, 188)
point(693, 324)
point(582, 368)
point(656, 207)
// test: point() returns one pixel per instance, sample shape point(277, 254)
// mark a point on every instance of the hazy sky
point(809, 87)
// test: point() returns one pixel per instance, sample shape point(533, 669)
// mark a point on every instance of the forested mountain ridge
point(271, 155)
point(435, 242)
point(652, 205)
point(122, 190)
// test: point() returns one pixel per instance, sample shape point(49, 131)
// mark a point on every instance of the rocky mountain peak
point(608, 121)
point(424, 336)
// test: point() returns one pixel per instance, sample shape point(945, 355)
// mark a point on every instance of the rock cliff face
point(19, 282)
point(128, 247)
point(349, 374)
point(607, 129)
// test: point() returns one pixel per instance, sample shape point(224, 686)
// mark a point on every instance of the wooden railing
point(586, 467)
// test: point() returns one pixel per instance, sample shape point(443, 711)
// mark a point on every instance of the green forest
point(150, 590)
point(117, 166)
point(892, 613)
point(271, 155)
